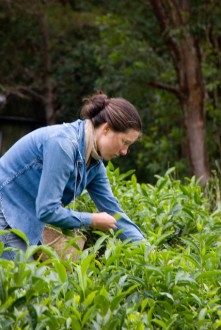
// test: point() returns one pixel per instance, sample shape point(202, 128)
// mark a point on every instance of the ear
point(106, 128)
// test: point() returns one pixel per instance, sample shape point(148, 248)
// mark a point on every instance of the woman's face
point(112, 144)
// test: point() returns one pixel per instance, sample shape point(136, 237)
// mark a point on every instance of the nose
point(124, 151)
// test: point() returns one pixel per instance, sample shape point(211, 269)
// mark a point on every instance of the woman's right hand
point(103, 221)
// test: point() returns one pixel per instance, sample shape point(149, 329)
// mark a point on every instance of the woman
point(46, 169)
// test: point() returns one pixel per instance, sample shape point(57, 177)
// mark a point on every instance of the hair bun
point(94, 104)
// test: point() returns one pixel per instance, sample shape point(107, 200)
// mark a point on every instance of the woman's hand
point(103, 221)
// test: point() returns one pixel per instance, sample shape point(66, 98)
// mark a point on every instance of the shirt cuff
point(86, 219)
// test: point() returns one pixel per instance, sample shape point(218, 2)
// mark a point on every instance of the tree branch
point(23, 92)
point(169, 88)
point(166, 23)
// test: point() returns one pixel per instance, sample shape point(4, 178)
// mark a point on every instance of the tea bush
point(172, 284)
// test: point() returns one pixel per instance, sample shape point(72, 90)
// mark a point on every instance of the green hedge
point(174, 284)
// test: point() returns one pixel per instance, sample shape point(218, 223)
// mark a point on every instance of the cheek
point(114, 144)
point(107, 145)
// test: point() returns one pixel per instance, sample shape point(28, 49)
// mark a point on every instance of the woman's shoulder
point(69, 131)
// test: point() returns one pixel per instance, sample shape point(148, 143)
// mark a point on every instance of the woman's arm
point(101, 193)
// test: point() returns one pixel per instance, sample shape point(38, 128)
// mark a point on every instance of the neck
point(90, 143)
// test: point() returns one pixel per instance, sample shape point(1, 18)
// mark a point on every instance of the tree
point(183, 46)
point(137, 55)
point(44, 56)
point(26, 54)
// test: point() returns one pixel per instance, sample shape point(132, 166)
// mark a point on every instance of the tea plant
point(172, 284)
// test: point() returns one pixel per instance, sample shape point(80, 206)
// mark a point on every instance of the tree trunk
point(48, 85)
point(173, 16)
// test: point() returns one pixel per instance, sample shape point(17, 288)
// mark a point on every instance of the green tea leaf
point(20, 234)
point(33, 316)
point(209, 274)
point(61, 271)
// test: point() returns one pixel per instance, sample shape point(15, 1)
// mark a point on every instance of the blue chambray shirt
point(43, 172)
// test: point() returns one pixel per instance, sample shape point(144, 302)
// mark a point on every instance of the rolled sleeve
point(102, 195)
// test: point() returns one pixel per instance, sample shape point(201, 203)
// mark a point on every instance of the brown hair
point(119, 113)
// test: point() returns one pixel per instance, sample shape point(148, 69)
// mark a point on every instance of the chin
point(107, 158)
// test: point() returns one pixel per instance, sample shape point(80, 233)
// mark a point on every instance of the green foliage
point(174, 284)
point(74, 68)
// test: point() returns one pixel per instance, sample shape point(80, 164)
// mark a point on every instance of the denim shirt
point(43, 172)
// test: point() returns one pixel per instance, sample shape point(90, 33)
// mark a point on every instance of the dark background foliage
point(53, 53)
